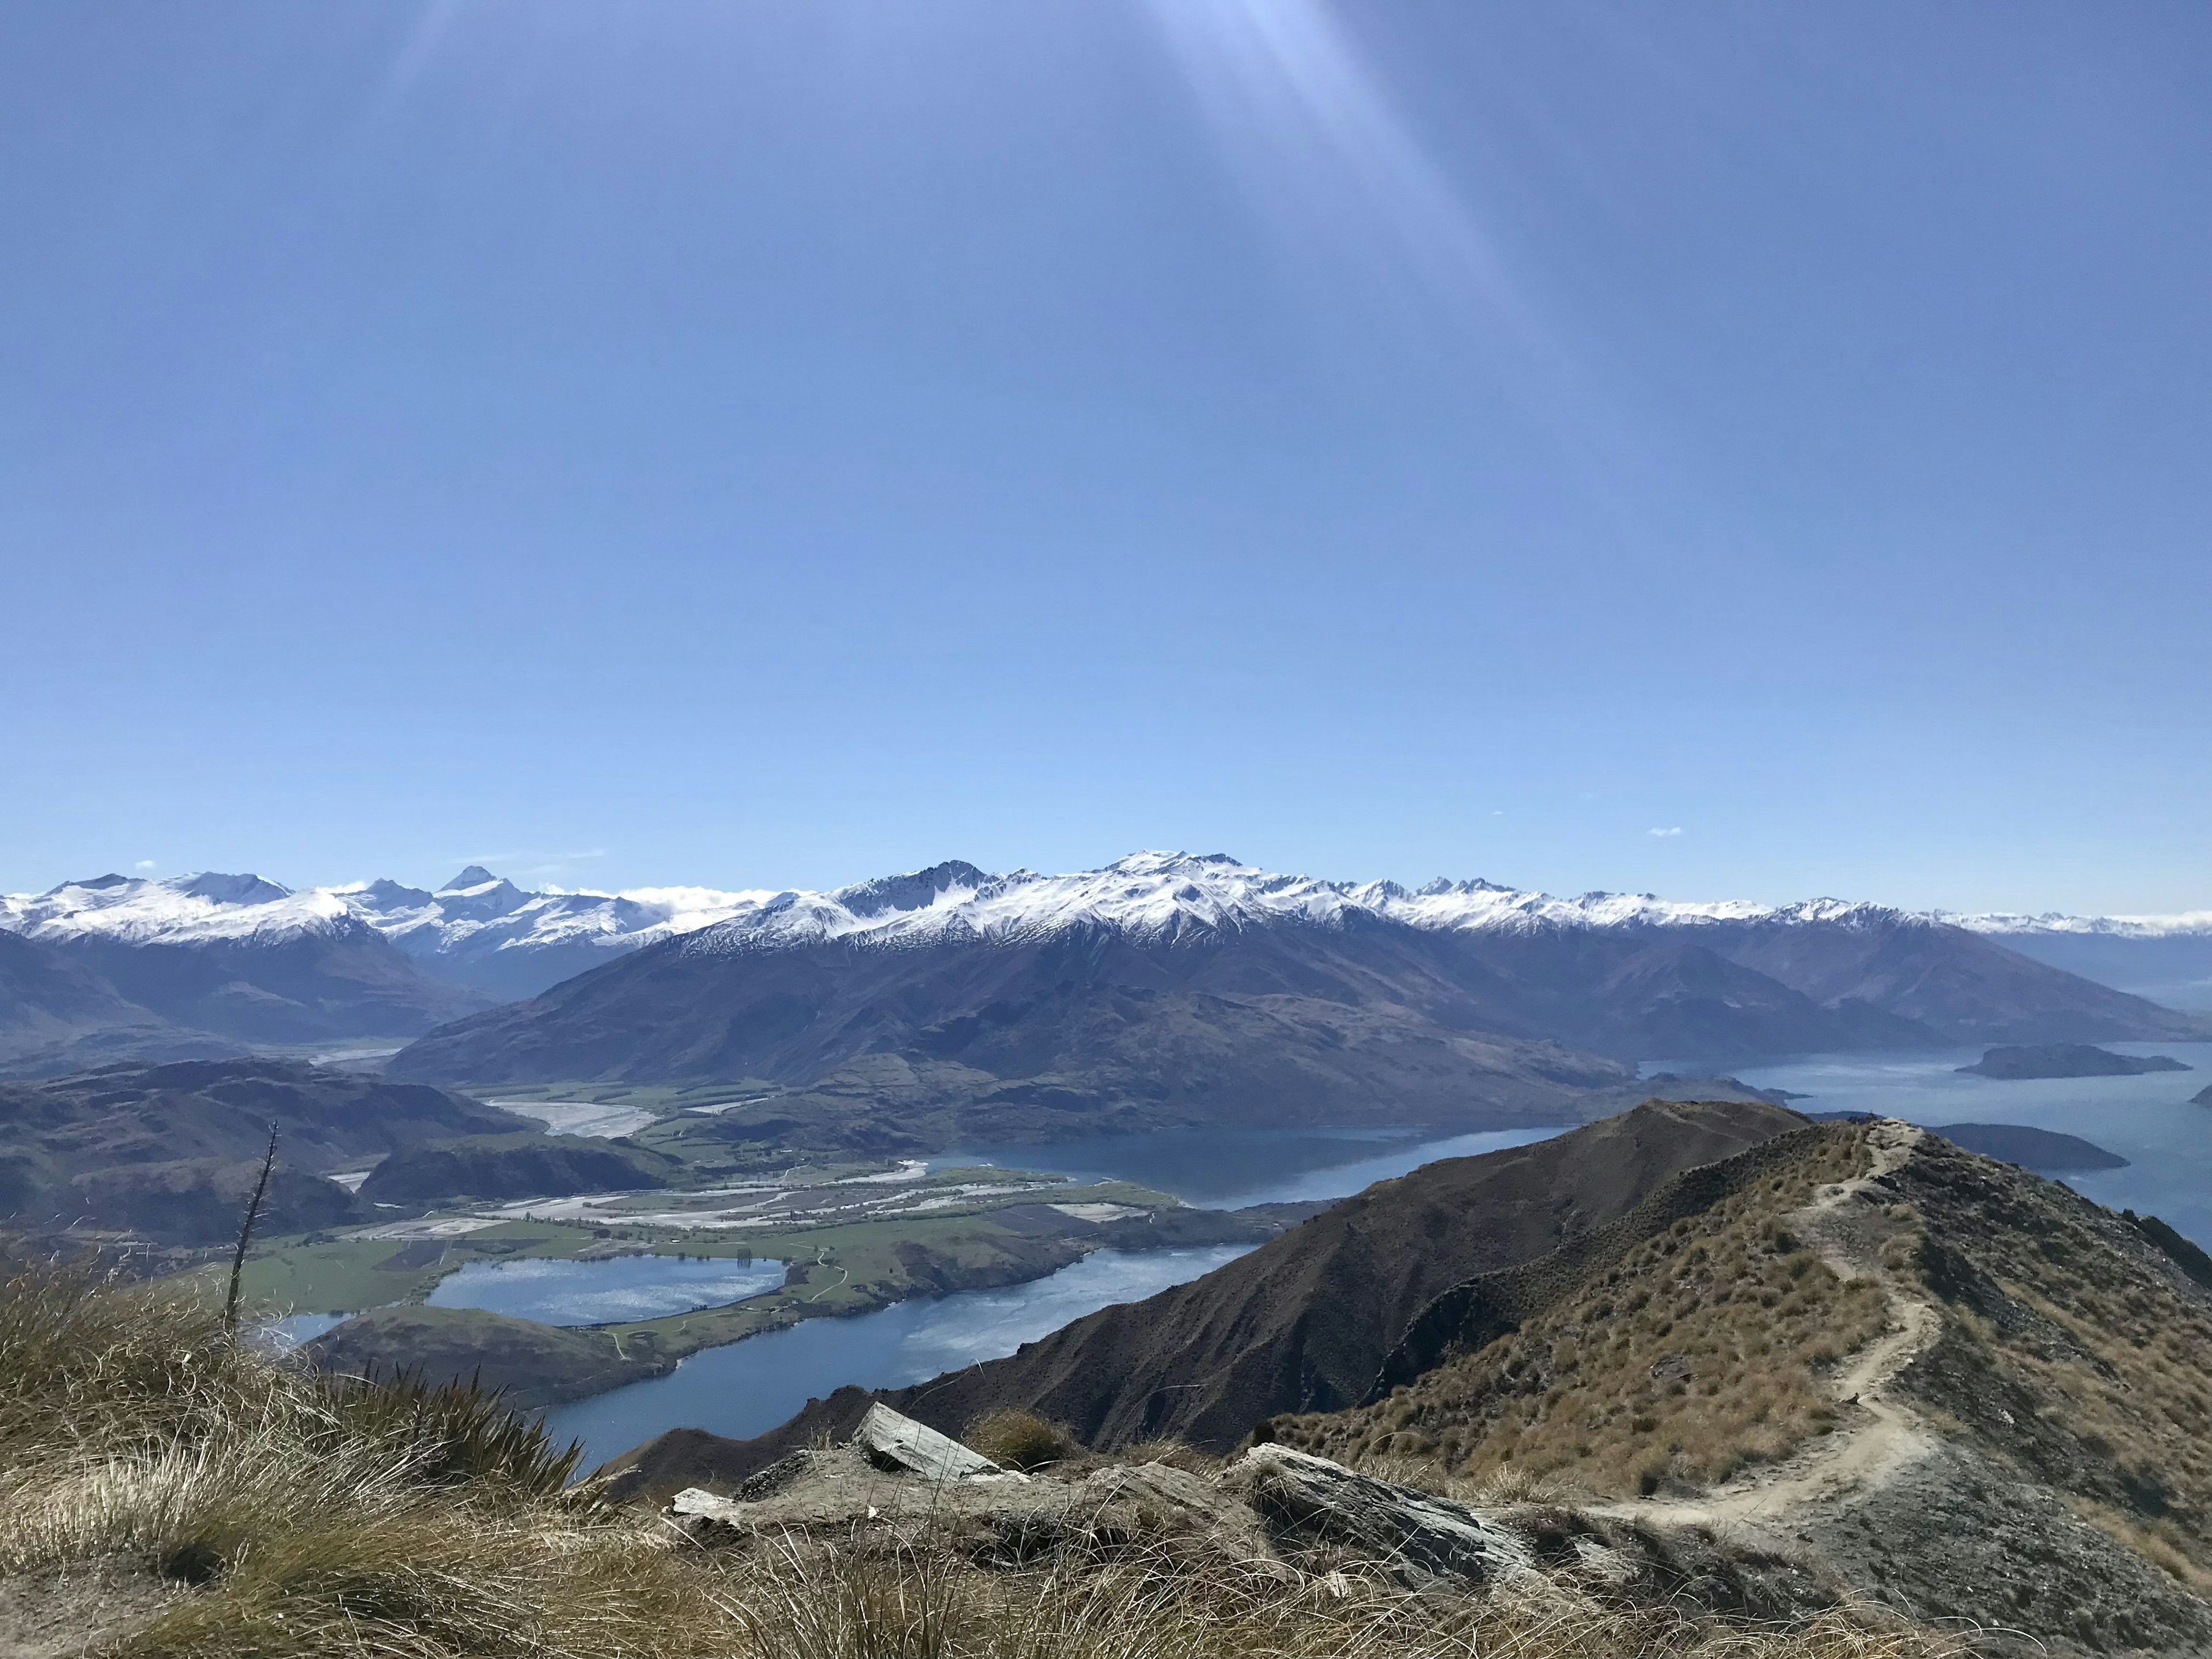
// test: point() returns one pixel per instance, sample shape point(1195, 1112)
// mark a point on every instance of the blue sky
point(767, 443)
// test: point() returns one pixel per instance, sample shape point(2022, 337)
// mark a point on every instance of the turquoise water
point(1226, 1168)
point(289, 1333)
point(628, 1287)
point(746, 1387)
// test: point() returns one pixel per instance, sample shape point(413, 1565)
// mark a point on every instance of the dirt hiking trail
point(1881, 1436)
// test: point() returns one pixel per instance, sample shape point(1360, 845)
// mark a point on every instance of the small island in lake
point(2018, 1063)
point(2045, 1151)
point(2202, 1097)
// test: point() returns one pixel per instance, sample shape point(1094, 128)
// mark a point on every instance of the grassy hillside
point(164, 1494)
point(1672, 1350)
point(1981, 1396)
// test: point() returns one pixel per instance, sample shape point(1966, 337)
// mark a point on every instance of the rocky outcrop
point(1310, 1501)
point(892, 1441)
point(1273, 1513)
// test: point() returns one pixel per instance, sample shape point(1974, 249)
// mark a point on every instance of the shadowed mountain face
point(521, 1165)
point(340, 979)
point(1280, 1027)
point(1305, 1322)
point(56, 1014)
point(1122, 1000)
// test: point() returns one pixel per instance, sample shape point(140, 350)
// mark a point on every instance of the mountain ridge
point(483, 929)
point(1045, 978)
point(233, 958)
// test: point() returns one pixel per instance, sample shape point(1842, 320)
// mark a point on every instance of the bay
point(614, 1291)
point(744, 1388)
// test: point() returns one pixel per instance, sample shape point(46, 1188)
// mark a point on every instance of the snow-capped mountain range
point(483, 931)
point(1165, 968)
point(116, 966)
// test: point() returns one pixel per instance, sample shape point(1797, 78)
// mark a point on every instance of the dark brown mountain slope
point(158, 1149)
point(1567, 1363)
point(1302, 1324)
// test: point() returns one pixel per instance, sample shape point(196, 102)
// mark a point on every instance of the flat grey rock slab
point(893, 1441)
point(1309, 1499)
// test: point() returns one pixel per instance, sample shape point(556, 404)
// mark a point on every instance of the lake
point(746, 1387)
point(614, 1291)
point(289, 1333)
point(607, 1292)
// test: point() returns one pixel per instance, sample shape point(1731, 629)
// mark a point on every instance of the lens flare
point(1317, 137)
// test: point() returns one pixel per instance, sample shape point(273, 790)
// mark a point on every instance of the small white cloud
point(143, 864)
point(1663, 833)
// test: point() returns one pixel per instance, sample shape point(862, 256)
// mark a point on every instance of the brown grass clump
point(1015, 1439)
point(1695, 1354)
point(292, 1517)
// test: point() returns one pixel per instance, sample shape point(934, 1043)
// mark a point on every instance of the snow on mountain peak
point(484, 928)
point(184, 909)
point(2185, 924)
point(1166, 896)
point(219, 889)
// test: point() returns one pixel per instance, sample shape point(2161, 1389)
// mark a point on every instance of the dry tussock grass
point(1699, 1352)
point(912, 1607)
point(1015, 1439)
point(391, 1523)
point(2121, 1368)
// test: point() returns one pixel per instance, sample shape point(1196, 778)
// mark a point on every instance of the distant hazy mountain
point(2166, 958)
point(58, 1015)
point(235, 958)
point(484, 931)
point(1214, 990)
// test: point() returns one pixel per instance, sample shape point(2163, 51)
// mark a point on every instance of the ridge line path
point(1889, 1436)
